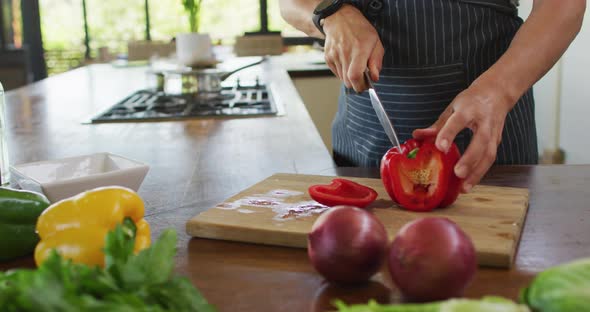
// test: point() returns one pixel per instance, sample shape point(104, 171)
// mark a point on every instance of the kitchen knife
point(381, 113)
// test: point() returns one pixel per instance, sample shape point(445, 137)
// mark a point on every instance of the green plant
point(192, 8)
point(129, 282)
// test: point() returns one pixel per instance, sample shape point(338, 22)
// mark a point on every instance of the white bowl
point(66, 177)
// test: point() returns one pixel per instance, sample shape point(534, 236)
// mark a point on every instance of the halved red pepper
point(419, 177)
point(343, 192)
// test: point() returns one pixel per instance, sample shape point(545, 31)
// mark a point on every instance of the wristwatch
point(325, 9)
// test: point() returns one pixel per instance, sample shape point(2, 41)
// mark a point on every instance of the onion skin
point(347, 245)
point(432, 259)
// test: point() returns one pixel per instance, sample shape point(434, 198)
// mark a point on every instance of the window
point(222, 19)
point(62, 28)
point(16, 24)
point(114, 23)
point(11, 27)
point(5, 15)
point(167, 18)
point(277, 23)
point(226, 19)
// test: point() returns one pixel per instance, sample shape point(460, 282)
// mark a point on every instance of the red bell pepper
point(419, 177)
point(343, 192)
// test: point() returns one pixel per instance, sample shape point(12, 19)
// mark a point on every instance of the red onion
point(347, 245)
point(432, 259)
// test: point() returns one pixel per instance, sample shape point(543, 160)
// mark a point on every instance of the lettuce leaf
point(563, 288)
point(486, 304)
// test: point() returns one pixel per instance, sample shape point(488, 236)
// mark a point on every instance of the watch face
point(326, 4)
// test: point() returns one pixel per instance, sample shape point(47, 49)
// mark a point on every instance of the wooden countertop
point(198, 163)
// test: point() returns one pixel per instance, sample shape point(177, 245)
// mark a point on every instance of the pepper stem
point(412, 154)
point(129, 228)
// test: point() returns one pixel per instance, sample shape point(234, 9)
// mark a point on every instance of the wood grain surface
point(197, 164)
point(278, 211)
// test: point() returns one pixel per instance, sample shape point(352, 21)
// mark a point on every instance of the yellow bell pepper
point(76, 227)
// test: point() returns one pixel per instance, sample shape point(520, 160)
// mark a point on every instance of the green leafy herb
point(486, 304)
point(129, 282)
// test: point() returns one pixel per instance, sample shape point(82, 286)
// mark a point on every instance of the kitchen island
point(198, 163)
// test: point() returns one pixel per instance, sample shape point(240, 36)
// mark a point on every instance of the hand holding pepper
point(483, 111)
point(419, 177)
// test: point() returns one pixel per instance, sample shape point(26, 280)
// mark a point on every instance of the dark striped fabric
point(434, 49)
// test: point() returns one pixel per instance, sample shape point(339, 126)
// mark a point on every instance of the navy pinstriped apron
point(434, 49)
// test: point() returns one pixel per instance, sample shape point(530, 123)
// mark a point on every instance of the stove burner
point(168, 105)
point(243, 99)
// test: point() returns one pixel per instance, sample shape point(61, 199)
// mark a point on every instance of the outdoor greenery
point(113, 23)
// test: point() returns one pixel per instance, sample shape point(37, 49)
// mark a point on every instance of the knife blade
point(381, 113)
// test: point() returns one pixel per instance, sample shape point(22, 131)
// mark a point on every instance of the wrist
point(494, 85)
point(347, 11)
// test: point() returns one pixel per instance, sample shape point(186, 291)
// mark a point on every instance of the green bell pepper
point(19, 211)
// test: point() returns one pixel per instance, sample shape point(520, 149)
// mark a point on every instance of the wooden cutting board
point(279, 211)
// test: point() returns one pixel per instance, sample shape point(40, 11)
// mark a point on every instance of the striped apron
point(434, 49)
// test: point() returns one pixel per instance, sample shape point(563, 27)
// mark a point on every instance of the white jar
point(5, 174)
point(193, 49)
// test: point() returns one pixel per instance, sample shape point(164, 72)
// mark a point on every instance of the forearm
point(537, 46)
point(298, 13)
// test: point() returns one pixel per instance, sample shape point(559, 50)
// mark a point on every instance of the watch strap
point(319, 16)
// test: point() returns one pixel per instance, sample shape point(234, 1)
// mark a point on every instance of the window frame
point(35, 41)
point(263, 18)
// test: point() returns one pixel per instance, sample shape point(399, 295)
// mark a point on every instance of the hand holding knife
point(381, 113)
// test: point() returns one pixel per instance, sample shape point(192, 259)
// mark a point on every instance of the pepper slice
point(419, 177)
point(343, 192)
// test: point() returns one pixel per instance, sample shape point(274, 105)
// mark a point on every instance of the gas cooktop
point(238, 100)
